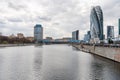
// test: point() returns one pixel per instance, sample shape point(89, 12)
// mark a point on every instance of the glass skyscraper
point(96, 23)
point(38, 33)
point(119, 27)
point(87, 37)
point(75, 35)
point(110, 32)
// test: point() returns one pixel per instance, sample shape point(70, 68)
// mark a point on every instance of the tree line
point(15, 40)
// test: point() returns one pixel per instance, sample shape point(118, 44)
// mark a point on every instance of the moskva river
point(54, 62)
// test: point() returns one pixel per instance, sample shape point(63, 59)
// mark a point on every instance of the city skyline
point(57, 20)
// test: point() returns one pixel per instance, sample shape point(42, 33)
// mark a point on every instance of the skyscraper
point(75, 35)
point(96, 23)
point(87, 37)
point(38, 33)
point(110, 31)
point(119, 27)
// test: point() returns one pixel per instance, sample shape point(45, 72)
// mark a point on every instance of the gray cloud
point(56, 23)
point(15, 20)
point(44, 18)
point(58, 17)
point(1, 22)
point(16, 6)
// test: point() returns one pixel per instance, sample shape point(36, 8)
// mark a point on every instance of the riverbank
point(12, 45)
point(112, 53)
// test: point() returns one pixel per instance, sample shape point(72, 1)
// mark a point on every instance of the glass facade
point(96, 23)
point(75, 35)
point(87, 37)
point(110, 31)
point(119, 27)
point(38, 33)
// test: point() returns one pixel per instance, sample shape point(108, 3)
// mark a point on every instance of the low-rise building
point(20, 35)
point(49, 38)
point(67, 39)
point(31, 39)
point(12, 36)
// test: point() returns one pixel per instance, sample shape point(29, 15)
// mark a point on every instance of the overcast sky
point(58, 17)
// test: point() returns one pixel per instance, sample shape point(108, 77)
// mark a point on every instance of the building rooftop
point(38, 25)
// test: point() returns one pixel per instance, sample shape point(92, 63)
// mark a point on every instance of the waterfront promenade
point(109, 51)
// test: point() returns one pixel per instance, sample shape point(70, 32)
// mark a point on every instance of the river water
point(54, 62)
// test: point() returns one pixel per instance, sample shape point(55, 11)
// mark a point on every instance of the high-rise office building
point(75, 35)
point(87, 37)
point(96, 23)
point(38, 33)
point(110, 31)
point(119, 27)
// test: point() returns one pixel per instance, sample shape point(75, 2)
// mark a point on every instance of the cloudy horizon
point(58, 17)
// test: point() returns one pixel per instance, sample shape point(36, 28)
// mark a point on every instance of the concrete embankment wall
point(112, 53)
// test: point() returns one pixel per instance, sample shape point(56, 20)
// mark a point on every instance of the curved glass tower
point(96, 23)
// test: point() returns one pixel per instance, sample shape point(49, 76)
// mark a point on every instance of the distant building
point(87, 37)
point(49, 38)
point(119, 27)
point(12, 36)
point(0, 34)
point(75, 35)
point(31, 39)
point(103, 36)
point(20, 35)
point(67, 39)
point(38, 33)
point(96, 23)
point(59, 40)
point(64, 39)
point(110, 31)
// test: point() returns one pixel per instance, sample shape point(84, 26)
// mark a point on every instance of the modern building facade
point(87, 37)
point(119, 27)
point(75, 35)
point(110, 32)
point(38, 33)
point(96, 23)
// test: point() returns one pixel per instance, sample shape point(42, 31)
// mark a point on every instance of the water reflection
point(54, 62)
point(59, 63)
point(97, 68)
point(37, 62)
point(13, 65)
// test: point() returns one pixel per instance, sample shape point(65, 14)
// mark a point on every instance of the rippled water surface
point(54, 62)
